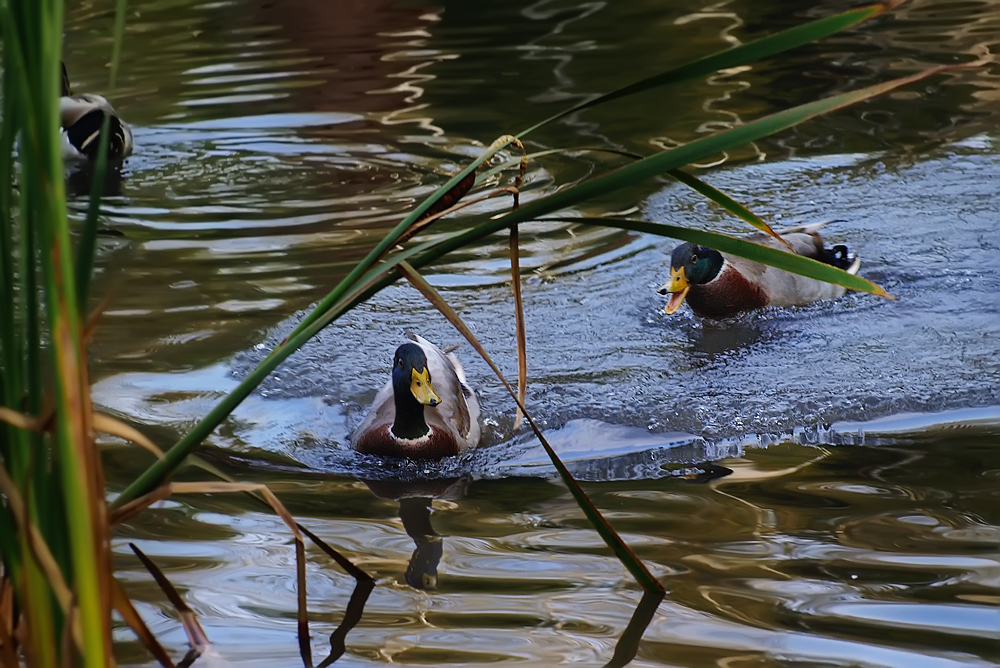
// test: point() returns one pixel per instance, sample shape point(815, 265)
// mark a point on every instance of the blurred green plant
point(57, 589)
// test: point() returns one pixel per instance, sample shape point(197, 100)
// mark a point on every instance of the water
point(850, 517)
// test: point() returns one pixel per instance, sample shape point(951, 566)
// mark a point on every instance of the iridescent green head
point(689, 265)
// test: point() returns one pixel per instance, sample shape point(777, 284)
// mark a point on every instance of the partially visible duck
point(719, 285)
point(82, 117)
point(412, 418)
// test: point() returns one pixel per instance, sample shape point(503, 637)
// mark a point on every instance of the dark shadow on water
point(352, 614)
point(415, 499)
point(80, 180)
point(628, 644)
point(421, 572)
point(706, 472)
point(713, 339)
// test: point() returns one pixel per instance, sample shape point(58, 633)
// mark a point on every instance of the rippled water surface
point(814, 486)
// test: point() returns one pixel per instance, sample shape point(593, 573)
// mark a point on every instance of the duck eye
point(694, 259)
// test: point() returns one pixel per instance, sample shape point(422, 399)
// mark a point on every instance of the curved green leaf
point(726, 202)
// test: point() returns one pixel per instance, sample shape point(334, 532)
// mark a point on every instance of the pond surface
point(851, 513)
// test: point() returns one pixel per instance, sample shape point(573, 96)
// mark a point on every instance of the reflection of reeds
point(57, 588)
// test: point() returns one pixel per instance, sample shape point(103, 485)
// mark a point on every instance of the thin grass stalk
point(123, 605)
point(116, 47)
point(10, 386)
point(628, 558)
point(37, 614)
point(521, 336)
point(24, 354)
point(514, 250)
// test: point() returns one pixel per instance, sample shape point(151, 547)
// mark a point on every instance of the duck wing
point(781, 287)
point(82, 117)
point(382, 411)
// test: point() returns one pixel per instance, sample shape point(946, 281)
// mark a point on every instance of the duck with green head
point(718, 285)
point(411, 417)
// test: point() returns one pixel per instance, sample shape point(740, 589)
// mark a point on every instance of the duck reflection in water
point(712, 339)
point(80, 180)
point(415, 499)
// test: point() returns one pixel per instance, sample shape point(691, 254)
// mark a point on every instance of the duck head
point(689, 265)
point(412, 390)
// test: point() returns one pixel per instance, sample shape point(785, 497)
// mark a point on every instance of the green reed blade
point(87, 245)
point(43, 198)
point(696, 184)
point(13, 442)
point(739, 55)
point(116, 48)
point(725, 201)
point(672, 159)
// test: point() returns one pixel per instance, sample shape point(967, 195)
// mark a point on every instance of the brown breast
point(728, 295)
point(380, 441)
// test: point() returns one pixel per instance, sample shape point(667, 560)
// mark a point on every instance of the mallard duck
point(717, 285)
point(412, 418)
point(82, 117)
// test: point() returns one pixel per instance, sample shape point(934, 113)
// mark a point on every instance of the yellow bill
point(678, 287)
point(420, 387)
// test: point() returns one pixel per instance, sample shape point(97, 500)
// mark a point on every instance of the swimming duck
point(412, 418)
point(718, 285)
point(82, 117)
